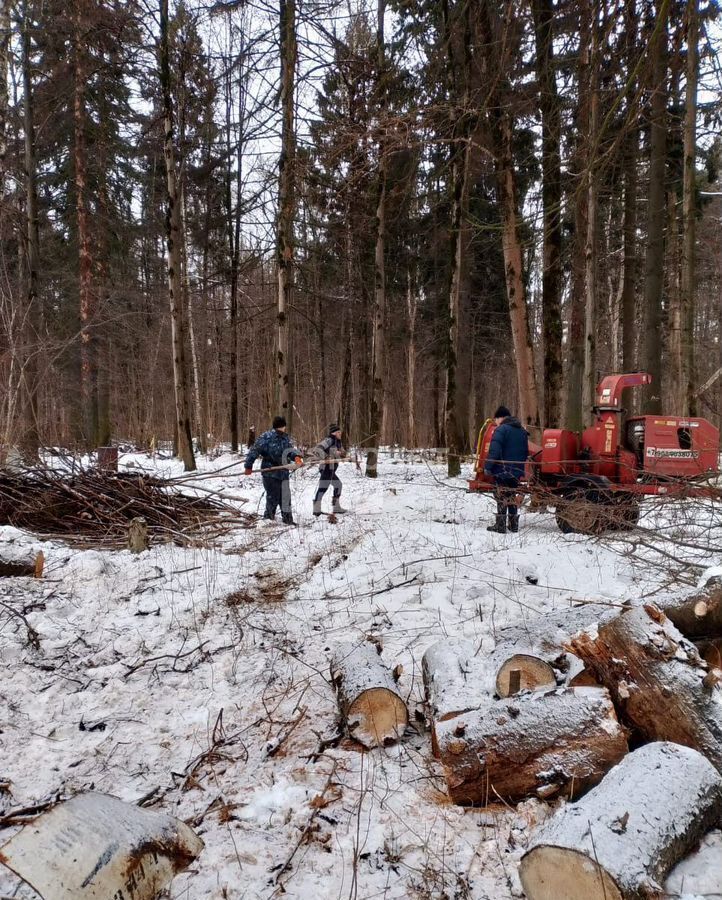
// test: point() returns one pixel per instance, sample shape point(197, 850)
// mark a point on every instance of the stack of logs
point(549, 712)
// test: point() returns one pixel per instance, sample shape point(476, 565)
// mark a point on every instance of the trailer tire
point(578, 511)
point(628, 512)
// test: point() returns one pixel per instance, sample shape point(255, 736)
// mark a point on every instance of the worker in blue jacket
point(279, 455)
point(505, 462)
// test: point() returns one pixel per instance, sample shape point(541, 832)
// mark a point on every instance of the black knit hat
point(502, 412)
point(279, 422)
point(333, 428)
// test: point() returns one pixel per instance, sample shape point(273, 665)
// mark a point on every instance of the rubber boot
point(514, 524)
point(499, 526)
point(317, 507)
point(287, 519)
point(337, 508)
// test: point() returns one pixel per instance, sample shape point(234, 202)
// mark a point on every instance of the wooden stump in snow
point(619, 841)
point(537, 649)
point(657, 678)
point(698, 616)
point(138, 535)
point(368, 698)
point(540, 744)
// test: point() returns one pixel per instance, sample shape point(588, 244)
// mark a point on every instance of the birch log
point(541, 744)
point(659, 682)
point(619, 841)
point(369, 701)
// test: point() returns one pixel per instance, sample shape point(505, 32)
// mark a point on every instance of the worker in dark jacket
point(330, 448)
point(505, 461)
point(276, 450)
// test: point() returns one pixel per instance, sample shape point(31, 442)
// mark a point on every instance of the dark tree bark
point(687, 402)
point(174, 237)
point(379, 315)
point(550, 108)
point(29, 438)
point(654, 261)
point(286, 204)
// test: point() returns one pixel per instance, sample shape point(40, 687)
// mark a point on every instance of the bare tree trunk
point(688, 402)
point(411, 309)
point(549, 105)
point(88, 373)
point(574, 413)
point(286, 203)
point(654, 263)
point(29, 438)
point(515, 286)
point(4, 97)
point(173, 244)
point(379, 317)
point(590, 249)
point(675, 394)
point(454, 424)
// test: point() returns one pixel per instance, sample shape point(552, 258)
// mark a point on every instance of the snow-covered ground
point(199, 676)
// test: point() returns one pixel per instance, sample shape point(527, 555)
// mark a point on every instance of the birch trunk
point(173, 248)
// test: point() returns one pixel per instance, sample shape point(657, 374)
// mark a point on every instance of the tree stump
point(138, 540)
point(369, 701)
point(542, 744)
point(619, 841)
point(660, 684)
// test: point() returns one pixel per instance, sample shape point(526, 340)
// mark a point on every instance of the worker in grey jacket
point(328, 449)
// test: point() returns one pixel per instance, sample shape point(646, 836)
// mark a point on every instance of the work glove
point(247, 471)
point(298, 462)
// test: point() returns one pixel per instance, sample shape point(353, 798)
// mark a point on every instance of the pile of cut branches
point(96, 507)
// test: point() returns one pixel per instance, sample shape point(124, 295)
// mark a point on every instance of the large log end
point(377, 718)
point(557, 873)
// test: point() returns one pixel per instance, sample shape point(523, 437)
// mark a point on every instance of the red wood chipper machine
point(595, 480)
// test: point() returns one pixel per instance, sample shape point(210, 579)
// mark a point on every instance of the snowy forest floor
point(198, 676)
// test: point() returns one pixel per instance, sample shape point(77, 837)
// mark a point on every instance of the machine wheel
point(581, 511)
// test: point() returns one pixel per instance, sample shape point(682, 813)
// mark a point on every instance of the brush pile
point(96, 507)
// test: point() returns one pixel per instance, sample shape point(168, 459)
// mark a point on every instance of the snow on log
point(660, 684)
point(368, 698)
point(619, 841)
point(97, 846)
point(537, 649)
point(698, 616)
point(540, 744)
point(455, 681)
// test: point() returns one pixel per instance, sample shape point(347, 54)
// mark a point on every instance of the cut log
point(538, 650)
point(455, 681)
point(619, 841)
point(698, 616)
point(541, 744)
point(659, 682)
point(369, 701)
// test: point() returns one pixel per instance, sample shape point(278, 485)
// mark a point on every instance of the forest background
point(393, 215)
